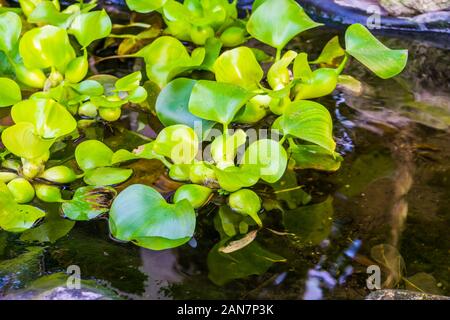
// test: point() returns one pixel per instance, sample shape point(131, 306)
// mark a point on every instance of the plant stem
point(278, 55)
point(131, 25)
point(122, 36)
point(115, 57)
point(342, 65)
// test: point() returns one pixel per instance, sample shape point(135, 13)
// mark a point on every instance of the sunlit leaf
point(234, 178)
point(276, 22)
point(270, 156)
point(167, 57)
point(178, 142)
point(50, 118)
point(107, 176)
point(309, 121)
point(90, 26)
point(22, 140)
point(16, 217)
point(368, 50)
point(45, 47)
point(93, 154)
point(10, 92)
point(145, 6)
point(239, 66)
point(10, 28)
point(279, 75)
point(216, 101)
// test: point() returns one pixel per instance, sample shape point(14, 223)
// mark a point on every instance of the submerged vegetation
point(214, 93)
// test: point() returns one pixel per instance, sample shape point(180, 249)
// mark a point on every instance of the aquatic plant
point(201, 91)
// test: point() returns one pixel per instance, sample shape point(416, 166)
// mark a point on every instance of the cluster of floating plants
point(210, 88)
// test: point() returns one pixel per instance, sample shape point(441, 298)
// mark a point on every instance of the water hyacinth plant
point(206, 84)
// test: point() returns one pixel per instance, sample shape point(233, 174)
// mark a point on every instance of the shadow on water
point(388, 206)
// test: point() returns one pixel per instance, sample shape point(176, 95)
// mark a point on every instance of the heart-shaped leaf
point(309, 121)
point(167, 57)
point(10, 28)
point(140, 214)
point(46, 13)
point(45, 47)
point(90, 26)
point(145, 6)
point(16, 217)
point(270, 156)
point(93, 154)
point(178, 142)
point(368, 50)
point(22, 140)
point(239, 66)
point(276, 22)
point(129, 82)
point(234, 178)
point(107, 176)
point(10, 92)
point(50, 118)
point(216, 101)
point(172, 106)
point(88, 203)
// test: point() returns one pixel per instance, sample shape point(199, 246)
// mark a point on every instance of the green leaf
point(330, 52)
point(140, 214)
point(16, 217)
point(216, 101)
point(89, 88)
point(91, 26)
point(224, 148)
point(315, 157)
point(172, 106)
point(88, 203)
point(250, 260)
point(178, 142)
point(276, 22)
point(240, 67)
point(309, 121)
point(234, 178)
point(129, 82)
point(50, 118)
point(51, 229)
point(167, 57)
point(321, 83)
point(145, 6)
point(10, 92)
point(196, 195)
point(46, 13)
point(279, 75)
point(310, 224)
point(107, 176)
point(46, 47)
point(93, 154)
point(270, 156)
point(22, 140)
point(10, 28)
point(246, 202)
point(368, 50)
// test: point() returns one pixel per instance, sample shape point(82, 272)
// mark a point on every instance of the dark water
point(392, 191)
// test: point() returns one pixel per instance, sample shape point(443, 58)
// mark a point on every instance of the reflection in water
point(321, 278)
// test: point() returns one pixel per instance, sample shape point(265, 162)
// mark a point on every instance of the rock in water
point(391, 294)
point(411, 7)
